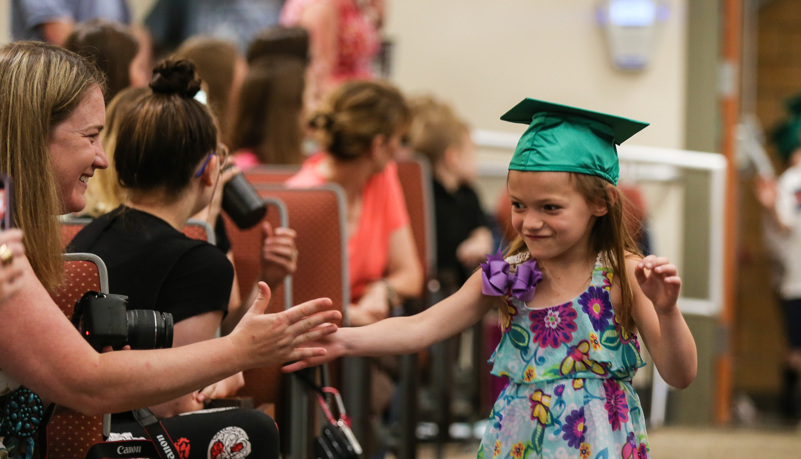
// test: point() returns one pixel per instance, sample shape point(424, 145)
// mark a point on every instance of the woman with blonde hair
point(51, 114)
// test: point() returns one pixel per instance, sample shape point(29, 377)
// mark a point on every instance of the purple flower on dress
point(553, 326)
point(525, 280)
point(575, 427)
point(595, 302)
point(559, 390)
point(495, 275)
point(616, 406)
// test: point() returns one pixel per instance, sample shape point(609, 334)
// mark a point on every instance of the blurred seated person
point(222, 67)
point(344, 40)
point(269, 123)
point(359, 130)
point(292, 41)
point(168, 159)
point(53, 20)
point(267, 128)
point(51, 149)
point(116, 51)
point(463, 235)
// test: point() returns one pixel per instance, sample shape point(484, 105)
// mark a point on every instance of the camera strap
point(158, 435)
point(159, 446)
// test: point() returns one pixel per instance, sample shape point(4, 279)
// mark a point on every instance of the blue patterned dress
point(569, 393)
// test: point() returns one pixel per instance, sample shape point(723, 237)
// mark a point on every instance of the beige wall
point(485, 56)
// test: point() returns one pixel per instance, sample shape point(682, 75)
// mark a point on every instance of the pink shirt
point(358, 40)
point(383, 212)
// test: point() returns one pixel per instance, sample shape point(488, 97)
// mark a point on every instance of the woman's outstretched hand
point(659, 281)
point(273, 339)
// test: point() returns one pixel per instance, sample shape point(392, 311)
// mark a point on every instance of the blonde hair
point(356, 113)
point(434, 128)
point(609, 236)
point(41, 85)
point(104, 192)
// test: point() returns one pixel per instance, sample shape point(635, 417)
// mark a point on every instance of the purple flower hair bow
point(497, 281)
point(525, 281)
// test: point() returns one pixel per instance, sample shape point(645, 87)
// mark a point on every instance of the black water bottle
point(242, 203)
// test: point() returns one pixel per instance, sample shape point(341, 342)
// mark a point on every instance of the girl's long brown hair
point(610, 236)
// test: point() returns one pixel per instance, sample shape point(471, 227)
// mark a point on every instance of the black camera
point(104, 320)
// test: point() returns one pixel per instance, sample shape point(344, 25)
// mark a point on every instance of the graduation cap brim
point(623, 128)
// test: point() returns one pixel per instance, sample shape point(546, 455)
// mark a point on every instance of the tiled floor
point(685, 442)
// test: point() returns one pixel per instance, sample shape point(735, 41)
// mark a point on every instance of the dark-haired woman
point(168, 160)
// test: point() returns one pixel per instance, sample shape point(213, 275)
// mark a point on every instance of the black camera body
point(104, 320)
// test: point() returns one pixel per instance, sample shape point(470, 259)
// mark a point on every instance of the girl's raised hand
point(659, 281)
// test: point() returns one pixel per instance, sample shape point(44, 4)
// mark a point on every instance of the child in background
point(463, 234)
point(576, 294)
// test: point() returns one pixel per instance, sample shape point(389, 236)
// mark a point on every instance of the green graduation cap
point(569, 139)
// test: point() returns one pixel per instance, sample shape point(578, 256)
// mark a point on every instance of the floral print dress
point(569, 393)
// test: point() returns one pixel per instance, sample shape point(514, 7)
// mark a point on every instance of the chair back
point(275, 174)
point(318, 216)
point(261, 384)
point(415, 179)
point(196, 229)
point(199, 229)
point(70, 226)
point(70, 434)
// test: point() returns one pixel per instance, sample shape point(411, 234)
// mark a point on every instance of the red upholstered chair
point(415, 179)
point(199, 229)
point(318, 217)
point(70, 226)
point(265, 386)
point(196, 229)
point(273, 174)
point(70, 434)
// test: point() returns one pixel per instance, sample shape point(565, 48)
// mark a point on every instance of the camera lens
point(148, 329)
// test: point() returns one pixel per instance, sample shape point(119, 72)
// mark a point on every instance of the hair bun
point(175, 76)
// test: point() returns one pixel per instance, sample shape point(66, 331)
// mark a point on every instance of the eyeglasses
point(222, 153)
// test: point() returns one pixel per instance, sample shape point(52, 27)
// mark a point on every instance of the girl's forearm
point(677, 361)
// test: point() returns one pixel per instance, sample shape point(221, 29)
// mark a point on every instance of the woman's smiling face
point(75, 150)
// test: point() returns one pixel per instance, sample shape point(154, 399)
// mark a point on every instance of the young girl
point(576, 295)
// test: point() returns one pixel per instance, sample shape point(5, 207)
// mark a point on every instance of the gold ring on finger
point(6, 255)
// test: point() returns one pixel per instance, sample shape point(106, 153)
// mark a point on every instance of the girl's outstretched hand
point(273, 339)
point(334, 346)
point(659, 281)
